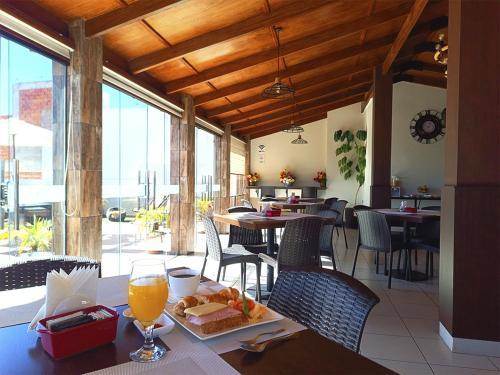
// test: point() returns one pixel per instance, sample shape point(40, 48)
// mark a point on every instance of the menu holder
point(68, 342)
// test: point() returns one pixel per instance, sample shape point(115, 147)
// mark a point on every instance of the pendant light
point(278, 90)
point(299, 141)
point(294, 128)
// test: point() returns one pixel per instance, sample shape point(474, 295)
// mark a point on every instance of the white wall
point(368, 120)
point(303, 161)
point(413, 162)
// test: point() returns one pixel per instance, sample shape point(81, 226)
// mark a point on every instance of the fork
point(260, 347)
point(254, 340)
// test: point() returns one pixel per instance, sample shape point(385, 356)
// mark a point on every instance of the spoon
point(260, 347)
point(254, 340)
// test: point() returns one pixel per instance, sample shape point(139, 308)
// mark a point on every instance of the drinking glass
point(147, 296)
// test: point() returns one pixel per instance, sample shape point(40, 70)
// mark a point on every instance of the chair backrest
point(246, 203)
point(361, 207)
point(309, 192)
point(432, 208)
point(29, 273)
point(268, 199)
point(243, 236)
point(330, 201)
point(299, 245)
point(267, 191)
point(339, 205)
point(329, 302)
point(313, 209)
point(214, 248)
point(326, 233)
point(374, 232)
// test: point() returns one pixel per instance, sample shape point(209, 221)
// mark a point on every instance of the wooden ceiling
point(223, 53)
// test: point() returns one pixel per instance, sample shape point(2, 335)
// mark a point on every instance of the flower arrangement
point(252, 178)
point(286, 177)
point(321, 178)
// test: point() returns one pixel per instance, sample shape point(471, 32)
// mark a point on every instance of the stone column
point(84, 182)
point(380, 190)
point(183, 173)
point(469, 277)
point(248, 155)
point(175, 125)
point(225, 174)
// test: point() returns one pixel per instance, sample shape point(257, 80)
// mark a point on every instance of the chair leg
point(345, 237)
point(427, 265)
point(204, 265)
point(242, 276)
point(432, 265)
point(333, 261)
point(416, 257)
point(257, 293)
point(218, 272)
point(355, 260)
point(385, 264)
point(399, 260)
point(337, 229)
point(390, 269)
point(377, 261)
point(224, 273)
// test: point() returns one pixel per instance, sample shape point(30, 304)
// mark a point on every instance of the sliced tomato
point(238, 305)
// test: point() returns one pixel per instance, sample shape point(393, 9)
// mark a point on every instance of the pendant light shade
point(294, 129)
point(278, 90)
point(299, 141)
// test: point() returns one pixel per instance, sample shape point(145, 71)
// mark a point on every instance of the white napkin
point(66, 292)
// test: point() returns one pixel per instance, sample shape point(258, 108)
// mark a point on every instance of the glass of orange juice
point(147, 296)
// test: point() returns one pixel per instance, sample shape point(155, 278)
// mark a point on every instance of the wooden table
point(294, 207)
point(421, 216)
point(250, 220)
point(23, 353)
point(417, 199)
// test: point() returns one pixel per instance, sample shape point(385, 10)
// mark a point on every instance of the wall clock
point(427, 126)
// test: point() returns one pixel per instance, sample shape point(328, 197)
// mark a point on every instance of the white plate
point(269, 317)
point(165, 321)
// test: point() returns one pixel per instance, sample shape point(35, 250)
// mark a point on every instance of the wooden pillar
point(225, 174)
point(380, 190)
point(84, 181)
point(469, 277)
point(248, 155)
point(183, 174)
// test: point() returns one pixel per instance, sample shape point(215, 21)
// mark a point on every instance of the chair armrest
point(268, 260)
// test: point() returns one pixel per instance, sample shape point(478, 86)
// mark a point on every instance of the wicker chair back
point(214, 248)
point(374, 232)
point(299, 245)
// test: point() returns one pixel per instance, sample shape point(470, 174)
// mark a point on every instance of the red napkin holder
point(273, 212)
point(412, 210)
point(75, 340)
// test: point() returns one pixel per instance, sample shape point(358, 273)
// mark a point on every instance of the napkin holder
point(411, 210)
point(81, 338)
point(273, 212)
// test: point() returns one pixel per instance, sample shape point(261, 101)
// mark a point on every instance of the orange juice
point(147, 297)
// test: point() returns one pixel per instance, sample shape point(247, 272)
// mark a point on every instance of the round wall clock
point(427, 126)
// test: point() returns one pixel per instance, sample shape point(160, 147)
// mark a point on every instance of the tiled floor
point(402, 330)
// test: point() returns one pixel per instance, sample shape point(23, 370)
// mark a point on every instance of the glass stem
point(148, 340)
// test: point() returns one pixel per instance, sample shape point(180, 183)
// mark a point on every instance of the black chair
point(28, 273)
point(361, 207)
point(313, 209)
point(375, 234)
point(339, 206)
point(330, 201)
point(299, 245)
point(427, 237)
point(309, 192)
point(267, 191)
point(228, 256)
point(331, 303)
point(326, 234)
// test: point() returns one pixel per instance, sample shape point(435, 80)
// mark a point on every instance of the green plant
point(353, 155)
point(203, 205)
point(151, 219)
point(36, 236)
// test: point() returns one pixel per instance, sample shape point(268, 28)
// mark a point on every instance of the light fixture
point(299, 141)
point(441, 55)
point(294, 128)
point(278, 90)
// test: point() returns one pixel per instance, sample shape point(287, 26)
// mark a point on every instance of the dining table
point(308, 352)
point(258, 221)
point(395, 216)
point(294, 207)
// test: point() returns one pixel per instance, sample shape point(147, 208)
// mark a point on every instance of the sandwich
point(214, 317)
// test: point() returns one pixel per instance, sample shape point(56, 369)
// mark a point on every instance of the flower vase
point(252, 183)
point(322, 184)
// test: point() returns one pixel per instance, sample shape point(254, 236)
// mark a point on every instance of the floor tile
point(405, 368)
point(496, 361)
point(385, 308)
point(408, 296)
point(437, 353)
point(450, 370)
point(409, 310)
point(386, 325)
point(396, 348)
point(422, 328)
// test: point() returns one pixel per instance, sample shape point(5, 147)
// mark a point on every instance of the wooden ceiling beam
point(304, 67)
point(300, 44)
point(151, 60)
point(276, 105)
point(304, 119)
point(314, 81)
point(309, 106)
point(114, 19)
point(404, 33)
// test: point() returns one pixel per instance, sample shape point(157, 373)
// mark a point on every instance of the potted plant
point(286, 178)
point(116, 214)
point(352, 162)
point(321, 179)
point(253, 178)
point(35, 237)
point(151, 219)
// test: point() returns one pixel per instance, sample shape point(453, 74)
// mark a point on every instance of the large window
point(136, 187)
point(32, 152)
